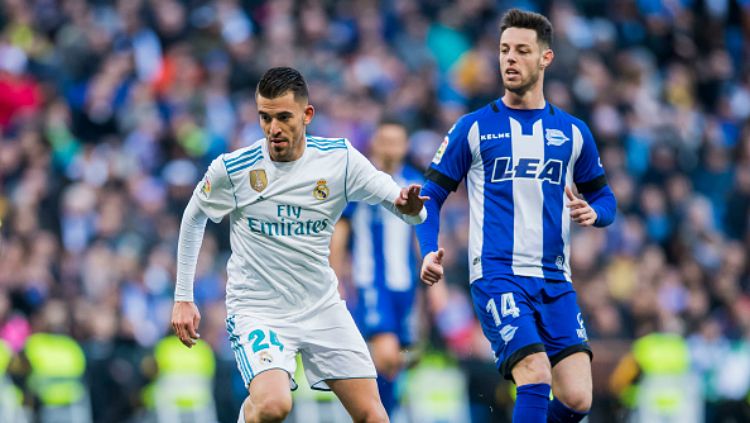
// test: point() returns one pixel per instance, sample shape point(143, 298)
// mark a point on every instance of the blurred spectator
point(109, 111)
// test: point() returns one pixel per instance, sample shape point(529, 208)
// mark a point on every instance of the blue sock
point(387, 393)
point(531, 403)
point(560, 413)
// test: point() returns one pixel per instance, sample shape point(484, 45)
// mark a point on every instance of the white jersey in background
point(282, 216)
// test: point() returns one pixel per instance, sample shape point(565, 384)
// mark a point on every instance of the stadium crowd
point(110, 112)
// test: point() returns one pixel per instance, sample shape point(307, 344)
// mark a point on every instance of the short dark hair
point(516, 18)
point(278, 81)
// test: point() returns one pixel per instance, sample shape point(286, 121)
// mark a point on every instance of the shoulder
point(327, 144)
point(242, 157)
point(465, 122)
point(412, 173)
point(567, 117)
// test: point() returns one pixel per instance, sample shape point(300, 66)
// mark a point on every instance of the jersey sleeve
point(588, 173)
point(214, 194)
point(365, 183)
point(453, 158)
point(349, 211)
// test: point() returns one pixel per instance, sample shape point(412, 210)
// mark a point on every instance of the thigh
point(260, 346)
point(508, 318)
point(271, 385)
point(360, 397)
point(333, 348)
point(561, 325)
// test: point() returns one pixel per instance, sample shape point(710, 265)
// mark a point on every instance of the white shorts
point(327, 340)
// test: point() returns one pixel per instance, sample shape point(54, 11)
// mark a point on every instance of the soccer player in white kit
point(283, 195)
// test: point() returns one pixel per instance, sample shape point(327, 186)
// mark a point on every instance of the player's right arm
point(213, 198)
point(449, 166)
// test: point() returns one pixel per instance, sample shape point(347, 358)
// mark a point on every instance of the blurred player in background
point(383, 264)
point(283, 195)
point(521, 156)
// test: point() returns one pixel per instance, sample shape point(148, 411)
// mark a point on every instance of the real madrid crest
point(258, 180)
point(321, 190)
point(265, 357)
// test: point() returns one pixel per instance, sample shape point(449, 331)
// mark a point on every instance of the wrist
point(596, 213)
point(428, 248)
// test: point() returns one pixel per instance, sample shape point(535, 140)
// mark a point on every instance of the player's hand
point(432, 267)
point(580, 211)
point(409, 201)
point(185, 321)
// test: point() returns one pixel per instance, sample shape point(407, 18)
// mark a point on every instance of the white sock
point(241, 418)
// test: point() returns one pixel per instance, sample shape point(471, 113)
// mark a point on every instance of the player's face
point(283, 120)
point(390, 143)
point(522, 59)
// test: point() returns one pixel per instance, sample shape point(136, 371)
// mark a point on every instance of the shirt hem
point(555, 277)
point(330, 297)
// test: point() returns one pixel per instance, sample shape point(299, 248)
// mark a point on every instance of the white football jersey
point(282, 216)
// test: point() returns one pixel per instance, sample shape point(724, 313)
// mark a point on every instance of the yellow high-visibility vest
point(57, 368)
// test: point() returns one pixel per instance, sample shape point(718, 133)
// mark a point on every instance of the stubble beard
point(522, 89)
point(286, 153)
point(277, 154)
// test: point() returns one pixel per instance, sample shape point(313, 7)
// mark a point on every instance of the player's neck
point(530, 99)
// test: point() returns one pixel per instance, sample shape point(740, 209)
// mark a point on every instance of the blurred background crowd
point(110, 112)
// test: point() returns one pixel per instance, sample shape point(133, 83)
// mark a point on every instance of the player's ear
point(547, 56)
point(309, 113)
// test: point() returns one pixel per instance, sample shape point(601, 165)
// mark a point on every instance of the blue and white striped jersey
point(517, 164)
point(382, 249)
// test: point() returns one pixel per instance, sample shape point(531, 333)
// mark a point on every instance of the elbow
point(602, 223)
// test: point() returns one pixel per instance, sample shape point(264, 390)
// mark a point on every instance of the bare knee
point(572, 382)
point(375, 413)
point(387, 363)
point(576, 398)
point(269, 410)
point(534, 368)
point(386, 354)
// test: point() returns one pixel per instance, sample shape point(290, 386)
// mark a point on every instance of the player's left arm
point(410, 202)
point(407, 204)
point(366, 183)
point(604, 205)
point(599, 207)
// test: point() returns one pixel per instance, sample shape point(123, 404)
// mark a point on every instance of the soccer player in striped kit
point(521, 157)
point(383, 264)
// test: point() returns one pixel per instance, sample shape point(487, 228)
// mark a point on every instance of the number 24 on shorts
point(258, 336)
point(507, 307)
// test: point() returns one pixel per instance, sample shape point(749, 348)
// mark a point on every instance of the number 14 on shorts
point(507, 308)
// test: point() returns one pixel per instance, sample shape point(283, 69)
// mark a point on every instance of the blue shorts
point(382, 310)
point(523, 315)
